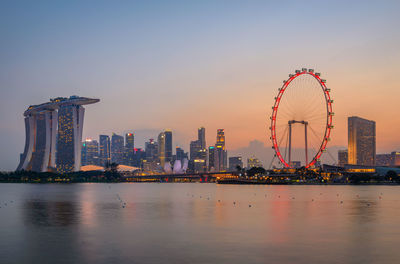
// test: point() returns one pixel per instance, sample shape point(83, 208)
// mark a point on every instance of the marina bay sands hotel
point(54, 135)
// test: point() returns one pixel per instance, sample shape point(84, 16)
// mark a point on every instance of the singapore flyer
point(301, 120)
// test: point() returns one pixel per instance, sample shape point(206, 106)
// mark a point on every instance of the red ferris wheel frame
point(329, 115)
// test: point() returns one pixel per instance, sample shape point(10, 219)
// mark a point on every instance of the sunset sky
point(185, 64)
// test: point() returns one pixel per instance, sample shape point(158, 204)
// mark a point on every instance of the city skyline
point(226, 75)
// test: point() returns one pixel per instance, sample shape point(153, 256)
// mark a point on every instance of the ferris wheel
point(301, 120)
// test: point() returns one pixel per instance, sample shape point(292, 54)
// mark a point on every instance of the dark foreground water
point(198, 223)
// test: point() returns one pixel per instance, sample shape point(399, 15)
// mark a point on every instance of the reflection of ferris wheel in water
point(301, 120)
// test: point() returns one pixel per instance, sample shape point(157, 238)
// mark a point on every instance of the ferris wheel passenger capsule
point(328, 89)
point(322, 80)
point(318, 74)
point(310, 70)
point(304, 69)
point(297, 71)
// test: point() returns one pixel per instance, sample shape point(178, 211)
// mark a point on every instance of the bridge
point(186, 177)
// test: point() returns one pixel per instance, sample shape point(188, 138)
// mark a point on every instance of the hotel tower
point(54, 135)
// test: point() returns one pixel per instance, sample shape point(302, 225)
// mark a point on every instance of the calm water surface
point(198, 223)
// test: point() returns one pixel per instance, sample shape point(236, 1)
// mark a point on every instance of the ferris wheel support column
point(305, 135)
point(290, 141)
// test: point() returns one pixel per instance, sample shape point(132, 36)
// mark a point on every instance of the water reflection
point(50, 213)
point(198, 223)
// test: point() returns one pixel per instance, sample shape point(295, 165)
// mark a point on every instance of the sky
point(185, 64)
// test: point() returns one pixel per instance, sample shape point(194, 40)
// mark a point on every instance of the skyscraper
point(202, 137)
point(361, 141)
point(221, 151)
point(117, 149)
point(195, 147)
point(54, 135)
point(212, 158)
point(90, 152)
point(151, 149)
point(104, 150)
point(40, 145)
point(168, 145)
point(165, 147)
point(180, 154)
point(129, 152)
point(161, 148)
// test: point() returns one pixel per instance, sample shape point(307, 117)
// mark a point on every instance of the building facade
point(168, 145)
point(361, 141)
point(54, 135)
point(202, 137)
point(234, 162)
point(117, 149)
point(221, 151)
point(129, 153)
point(342, 157)
point(104, 150)
point(253, 162)
point(90, 152)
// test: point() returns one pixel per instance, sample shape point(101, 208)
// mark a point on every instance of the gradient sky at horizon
point(186, 64)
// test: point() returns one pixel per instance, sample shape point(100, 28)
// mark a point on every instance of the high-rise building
point(202, 137)
point(40, 144)
point(90, 152)
point(129, 153)
point(221, 151)
point(234, 162)
point(168, 145)
point(361, 141)
point(180, 154)
point(195, 148)
point(117, 149)
point(138, 157)
point(104, 150)
point(212, 159)
point(342, 157)
point(151, 149)
point(161, 148)
point(165, 147)
point(54, 135)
